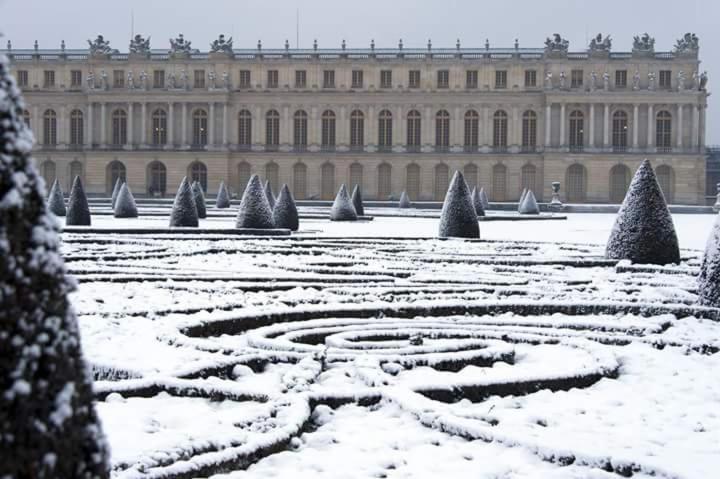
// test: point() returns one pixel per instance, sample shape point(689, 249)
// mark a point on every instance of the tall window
point(272, 130)
point(530, 78)
point(76, 170)
point(199, 131)
point(443, 79)
point(50, 127)
point(272, 175)
point(528, 178)
point(663, 131)
point(300, 78)
point(384, 181)
point(413, 131)
point(576, 79)
point(327, 181)
point(300, 120)
point(48, 173)
point(666, 178)
point(472, 128)
point(22, 78)
point(442, 175)
point(159, 127)
point(118, 78)
point(49, 79)
point(577, 131)
point(385, 78)
point(357, 79)
point(470, 172)
point(529, 131)
point(76, 128)
point(199, 79)
point(471, 79)
point(244, 173)
point(356, 175)
point(412, 181)
point(156, 178)
point(272, 78)
point(621, 79)
point(244, 129)
point(75, 78)
point(328, 130)
point(500, 130)
point(158, 78)
point(414, 79)
point(357, 130)
point(244, 82)
point(300, 181)
point(385, 130)
point(619, 182)
point(665, 79)
point(501, 79)
point(576, 183)
point(499, 182)
point(198, 172)
point(115, 170)
point(442, 130)
point(119, 127)
point(328, 78)
point(620, 131)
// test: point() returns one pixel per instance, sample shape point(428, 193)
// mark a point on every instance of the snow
point(458, 218)
point(343, 209)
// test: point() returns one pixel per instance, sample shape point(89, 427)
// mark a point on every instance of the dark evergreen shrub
point(270, 194)
point(343, 209)
point(56, 201)
point(644, 230)
point(184, 212)
point(115, 192)
point(357, 201)
point(48, 425)
point(529, 205)
point(404, 201)
point(285, 214)
point(709, 280)
point(199, 199)
point(477, 202)
point(458, 217)
point(125, 206)
point(78, 211)
point(255, 210)
point(484, 198)
point(223, 197)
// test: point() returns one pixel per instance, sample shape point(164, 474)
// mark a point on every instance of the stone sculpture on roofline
point(600, 43)
point(100, 47)
point(140, 46)
point(556, 45)
point(179, 47)
point(689, 43)
point(222, 46)
point(643, 44)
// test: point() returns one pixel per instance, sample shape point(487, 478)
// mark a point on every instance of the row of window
point(159, 125)
point(577, 77)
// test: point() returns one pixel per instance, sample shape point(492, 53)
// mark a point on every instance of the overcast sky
point(359, 21)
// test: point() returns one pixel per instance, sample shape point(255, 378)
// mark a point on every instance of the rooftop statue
point(100, 46)
point(703, 81)
point(600, 44)
point(688, 43)
point(221, 45)
point(140, 45)
point(180, 45)
point(643, 43)
point(556, 44)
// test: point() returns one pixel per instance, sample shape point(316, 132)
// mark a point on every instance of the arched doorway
point(619, 182)
point(156, 179)
point(576, 183)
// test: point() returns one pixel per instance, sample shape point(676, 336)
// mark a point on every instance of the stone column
point(341, 128)
point(695, 140)
point(548, 124)
point(225, 125)
point(183, 123)
point(486, 127)
point(130, 126)
point(456, 129)
point(591, 132)
point(514, 128)
point(398, 138)
point(650, 128)
point(103, 129)
point(635, 125)
point(562, 126)
point(211, 125)
point(313, 130)
point(679, 126)
point(286, 129)
point(427, 128)
point(143, 123)
point(371, 135)
point(89, 126)
point(36, 124)
point(702, 127)
point(63, 132)
point(258, 127)
point(170, 124)
point(606, 126)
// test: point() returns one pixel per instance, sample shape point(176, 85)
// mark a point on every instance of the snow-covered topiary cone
point(184, 212)
point(115, 192)
point(529, 205)
point(709, 280)
point(270, 194)
point(285, 214)
point(343, 209)
point(477, 202)
point(78, 211)
point(404, 201)
point(199, 200)
point(56, 201)
point(458, 218)
point(522, 198)
point(484, 198)
point(125, 206)
point(48, 424)
point(223, 197)
point(255, 210)
point(644, 230)
point(357, 201)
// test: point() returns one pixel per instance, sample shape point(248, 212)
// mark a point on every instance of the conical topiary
point(115, 192)
point(357, 201)
point(78, 211)
point(404, 201)
point(643, 230)
point(458, 218)
point(125, 206)
point(709, 280)
point(199, 199)
point(522, 198)
point(477, 202)
point(285, 214)
point(56, 201)
point(223, 197)
point(343, 209)
point(529, 205)
point(255, 210)
point(270, 194)
point(484, 198)
point(48, 424)
point(184, 211)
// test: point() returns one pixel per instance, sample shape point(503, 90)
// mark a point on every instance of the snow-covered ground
point(371, 349)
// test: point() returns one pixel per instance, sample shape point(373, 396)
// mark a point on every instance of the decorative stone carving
point(651, 81)
point(555, 203)
point(180, 46)
point(636, 80)
point(91, 81)
point(226, 80)
point(184, 84)
point(689, 43)
point(143, 80)
point(140, 45)
point(606, 81)
point(130, 81)
point(100, 47)
point(548, 81)
point(171, 83)
point(212, 77)
point(562, 80)
point(593, 80)
point(221, 45)
point(703, 81)
point(600, 44)
point(104, 84)
point(556, 44)
point(644, 43)
point(681, 80)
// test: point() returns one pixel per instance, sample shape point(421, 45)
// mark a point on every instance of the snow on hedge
point(56, 201)
point(709, 279)
point(255, 210)
point(357, 201)
point(199, 199)
point(285, 214)
point(342, 208)
point(458, 217)
point(529, 204)
point(223, 197)
point(115, 192)
point(184, 211)
point(477, 202)
point(78, 211)
point(404, 201)
point(484, 198)
point(125, 206)
point(270, 194)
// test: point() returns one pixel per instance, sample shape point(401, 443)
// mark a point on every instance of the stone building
point(390, 119)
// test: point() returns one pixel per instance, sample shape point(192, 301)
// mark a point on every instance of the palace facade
point(387, 119)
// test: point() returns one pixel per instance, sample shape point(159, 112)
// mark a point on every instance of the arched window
point(619, 182)
point(115, 170)
point(159, 127)
point(244, 129)
point(441, 181)
point(384, 181)
point(577, 131)
point(619, 131)
point(414, 136)
point(529, 131)
point(26, 118)
point(300, 121)
point(119, 127)
point(200, 128)
point(442, 130)
point(576, 183)
point(272, 130)
point(328, 130)
point(76, 128)
point(244, 173)
point(385, 130)
point(48, 173)
point(327, 181)
point(663, 131)
point(300, 181)
point(76, 169)
point(357, 130)
point(470, 172)
point(272, 174)
point(412, 181)
point(472, 129)
point(197, 171)
point(528, 178)
point(50, 127)
point(500, 130)
point(356, 175)
point(156, 179)
point(666, 178)
point(499, 182)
